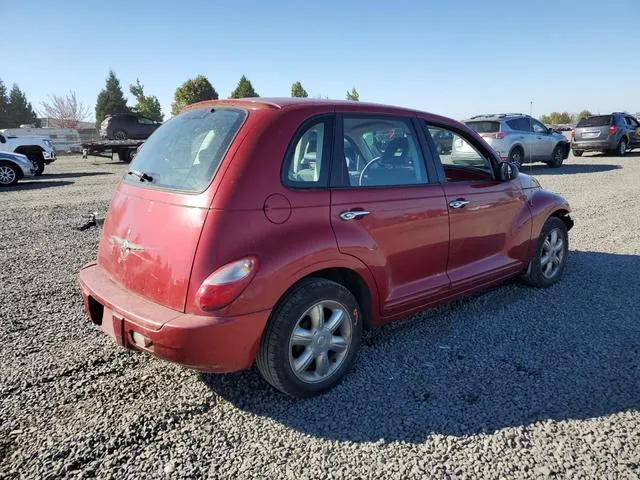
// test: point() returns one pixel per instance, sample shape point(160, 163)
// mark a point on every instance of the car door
point(544, 142)
point(388, 210)
point(634, 131)
point(489, 220)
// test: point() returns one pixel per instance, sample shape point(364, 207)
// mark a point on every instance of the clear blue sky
point(452, 57)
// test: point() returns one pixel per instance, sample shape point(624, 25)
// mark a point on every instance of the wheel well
point(564, 216)
point(15, 167)
point(352, 282)
point(27, 149)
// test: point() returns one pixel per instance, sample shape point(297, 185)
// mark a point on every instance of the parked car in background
point(517, 138)
point(443, 140)
point(243, 232)
point(62, 139)
point(616, 132)
point(39, 149)
point(14, 167)
point(127, 126)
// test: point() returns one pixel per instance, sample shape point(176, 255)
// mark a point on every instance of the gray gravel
point(514, 383)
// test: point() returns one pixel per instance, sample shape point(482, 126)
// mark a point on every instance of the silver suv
point(518, 138)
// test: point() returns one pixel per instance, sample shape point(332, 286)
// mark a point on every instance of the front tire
point(120, 135)
point(557, 157)
point(312, 338)
point(9, 174)
point(550, 259)
point(38, 160)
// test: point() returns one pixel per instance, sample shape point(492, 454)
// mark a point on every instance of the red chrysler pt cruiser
point(276, 231)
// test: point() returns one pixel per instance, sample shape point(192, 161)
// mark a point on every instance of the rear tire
point(38, 160)
point(550, 258)
point(120, 135)
point(622, 147)
point(517, 156)
point(317, 357)
point(577, 153)
point(557, 157)
point(9, 174)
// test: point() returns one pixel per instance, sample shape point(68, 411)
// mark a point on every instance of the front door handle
point(353, 214)
point(461, 202)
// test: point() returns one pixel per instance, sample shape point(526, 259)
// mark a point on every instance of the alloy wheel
point(320, 341)
point(553, 252)
point(7, 175)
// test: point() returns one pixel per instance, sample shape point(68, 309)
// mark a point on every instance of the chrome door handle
point(458, 203)
point(353, 214)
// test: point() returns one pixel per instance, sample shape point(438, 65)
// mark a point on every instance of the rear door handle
point(353, 214)
point(459, 203)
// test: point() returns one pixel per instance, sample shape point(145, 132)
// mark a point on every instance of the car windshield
point(597, 121)
point(185, 152)
point(484, 127)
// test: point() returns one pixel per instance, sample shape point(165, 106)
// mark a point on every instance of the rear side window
point(307, 162)
point(484, 127)
point(520, 124)
point(185, 152)
point(597, 121)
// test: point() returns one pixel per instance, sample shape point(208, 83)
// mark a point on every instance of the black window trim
point(338, 173)
point(328, 119)
point(438, 164)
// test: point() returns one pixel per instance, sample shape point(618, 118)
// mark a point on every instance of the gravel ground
point(514, 383)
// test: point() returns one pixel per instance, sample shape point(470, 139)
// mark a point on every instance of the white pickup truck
point(39, 149)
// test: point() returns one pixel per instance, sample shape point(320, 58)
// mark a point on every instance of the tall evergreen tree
point(147, 106)
point(111, 100)
point(4, 106)
point(353, 95)
point(19, 109)
point(298, 91)
point(244, 89)
point(193, 90)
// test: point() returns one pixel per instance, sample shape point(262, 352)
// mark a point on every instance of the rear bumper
point(204, 343)
point(599, 145)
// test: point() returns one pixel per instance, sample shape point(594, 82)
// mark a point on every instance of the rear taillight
point(496, 135)
point(573, 133)
point(225, 284)
point(612, 130)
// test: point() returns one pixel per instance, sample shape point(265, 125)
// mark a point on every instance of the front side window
point(632, 122)
point(185, 152)
point(382, 151)
point(538, 127)
point(464, 162)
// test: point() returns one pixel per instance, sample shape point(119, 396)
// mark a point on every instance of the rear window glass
point(599, 121)
point(484, 127)
point(185, 152)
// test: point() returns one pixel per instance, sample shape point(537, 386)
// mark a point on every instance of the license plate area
point(112, 325)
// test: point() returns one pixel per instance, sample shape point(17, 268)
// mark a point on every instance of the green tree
point(193, 90)
point(111, 100)
point(353, 95)
point(4, 106)
point(298, 91)
point(582, 115)
point(564, 117)
point(19, 110)
point(546, 119)
point(244, 89)
point(147, 106)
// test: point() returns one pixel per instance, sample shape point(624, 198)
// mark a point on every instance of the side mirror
point(508, 171)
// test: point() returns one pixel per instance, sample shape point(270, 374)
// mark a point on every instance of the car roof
point(496, 116)
point(282, 103)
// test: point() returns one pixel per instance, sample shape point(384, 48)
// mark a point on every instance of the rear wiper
point(141, 175)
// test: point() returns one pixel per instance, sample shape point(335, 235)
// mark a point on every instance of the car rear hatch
point(487, 129)
point(593, 128)
point(157, 213)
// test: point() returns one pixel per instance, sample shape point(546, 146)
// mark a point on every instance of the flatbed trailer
point(125, 149)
